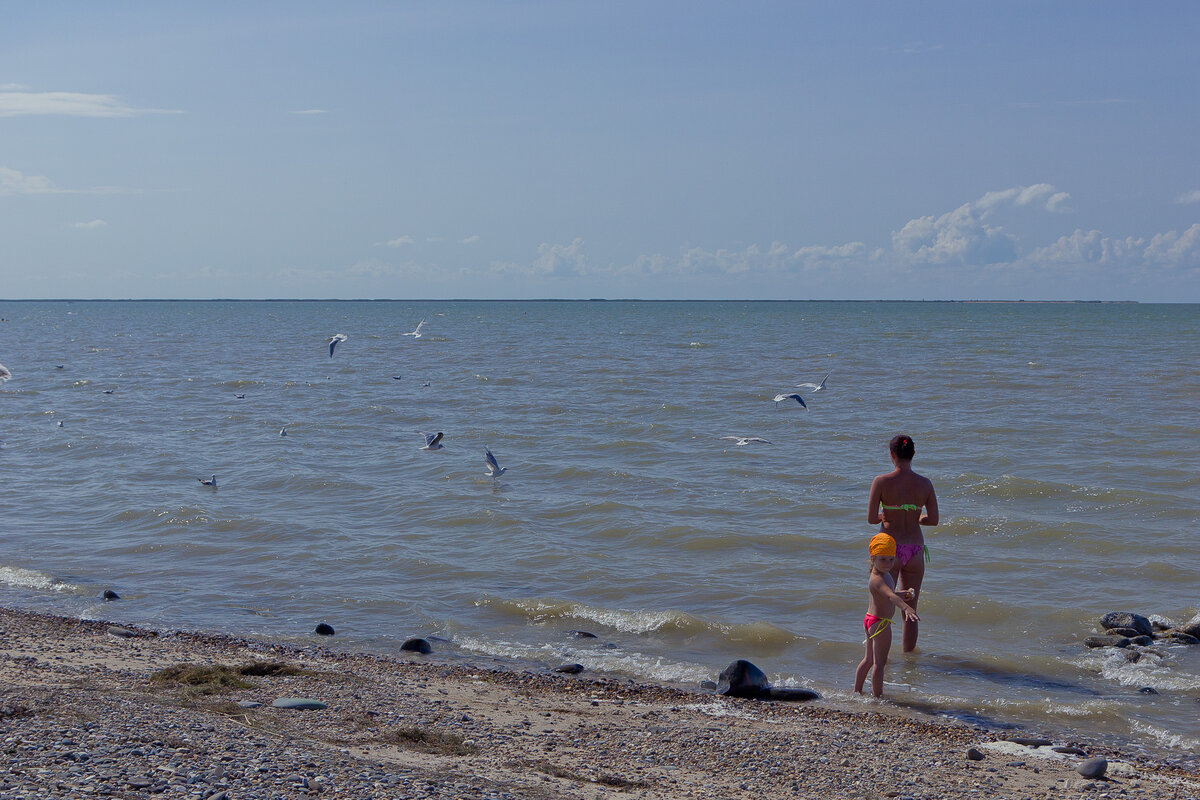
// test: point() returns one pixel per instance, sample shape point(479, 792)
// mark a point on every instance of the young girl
point(878, 620)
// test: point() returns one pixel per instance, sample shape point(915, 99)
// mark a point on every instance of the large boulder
point(1127, 619)
point(1192, 626)
point(742, 679)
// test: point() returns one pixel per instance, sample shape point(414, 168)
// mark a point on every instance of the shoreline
point(81, 716)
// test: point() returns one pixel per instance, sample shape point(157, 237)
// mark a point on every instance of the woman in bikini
point(895, 505)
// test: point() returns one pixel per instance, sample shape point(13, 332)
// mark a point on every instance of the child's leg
point(864, 666)
point(880, 645)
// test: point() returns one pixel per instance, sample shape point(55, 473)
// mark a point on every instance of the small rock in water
point(974, 754)
point(299, 703)
point(1192, 626)
point(109, 594)
point(789, 694)
point(324, 629)
point(1107, 641)
point(416, 646)
point(1093, 767)
point(1148, 690)
point(581, 634)
point(1127, 619)
point(741, 679)
point(1142, 641)
point(1130, 632)
point(570, 669)
point(1179, 637)
point(124, 633)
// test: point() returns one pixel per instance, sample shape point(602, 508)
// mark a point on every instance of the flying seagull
point(816, 387)
point(494, 469)
point(333, 341)
point(742, 441)
point(433, 441)
point(212, 482)
point(793, 396)
point(416, 332)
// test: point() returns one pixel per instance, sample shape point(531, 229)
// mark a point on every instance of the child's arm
point(887, 591)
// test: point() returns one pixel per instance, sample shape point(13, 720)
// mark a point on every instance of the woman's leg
point(910, 576)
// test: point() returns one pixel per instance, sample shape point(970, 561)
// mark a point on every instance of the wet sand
point(86, 712)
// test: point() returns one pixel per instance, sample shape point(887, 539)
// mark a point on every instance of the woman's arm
point(931, 509)
point(873, 516)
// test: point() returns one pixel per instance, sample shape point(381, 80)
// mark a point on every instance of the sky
point(692, 150)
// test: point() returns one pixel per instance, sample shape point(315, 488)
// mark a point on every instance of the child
point(884, 600)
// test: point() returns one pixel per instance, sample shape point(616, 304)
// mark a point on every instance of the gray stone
point(109, 594)
point(974, 754)
point(1072, 751)
point(1029, 742)
point(581, 634)
point(1127, 619)
point(570, 669)
point(1107, 641)
point(1142, 641)
point(1148, 690)
point(1130, 632)
point(249, 704)
point(124, 633)
point(1192, 626)
point(299, 703)
point(1179, 637)
point(710, 685)
point(788, 694)
point(1093, 767)
point(416, 646)
point(741, 679)
point(324, 629)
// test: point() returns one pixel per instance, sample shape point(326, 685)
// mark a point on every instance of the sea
point(1063, 440)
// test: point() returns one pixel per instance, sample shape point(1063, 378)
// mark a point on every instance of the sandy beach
point(92, 709)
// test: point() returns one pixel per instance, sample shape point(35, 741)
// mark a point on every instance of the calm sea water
point(1064, 442)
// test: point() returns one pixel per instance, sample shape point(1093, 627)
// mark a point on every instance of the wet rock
point(1131, 655)
point(570, 669)
point(123, 633)
point(1071, 751)
point(1142, 641)
point(1148, 690)
point(1129, 632)
point(299, 703)
point(417, 646)
point(324, 629)
point(974, 754)
point(1192, 626)
point(1127, 619)
point(1160, 623)
point(709, 685)
point(741, 679)
point(1179, 637)
point(109, 594)
point(788, 694)
point(1030, 742)
point(581, 634)
point(1107, 641)
point(1093, 767)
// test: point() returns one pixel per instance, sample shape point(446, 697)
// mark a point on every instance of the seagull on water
point(416, 332)
point(742, 441)
point(433, 441)
point(333, 341)
point(779, 398)
point(494, 469)
point(816, 387)
point(5, 373)
point(211, 482)
point(60, 424)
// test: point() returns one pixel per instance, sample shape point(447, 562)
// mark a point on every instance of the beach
point(89, 708)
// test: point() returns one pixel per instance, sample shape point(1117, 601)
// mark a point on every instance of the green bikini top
point(904, 507)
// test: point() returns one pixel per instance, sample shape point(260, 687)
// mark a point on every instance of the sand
point(82, 716)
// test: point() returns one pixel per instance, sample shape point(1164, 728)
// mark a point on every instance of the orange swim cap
point(882, 545)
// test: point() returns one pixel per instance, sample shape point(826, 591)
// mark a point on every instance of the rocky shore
point(88, 709)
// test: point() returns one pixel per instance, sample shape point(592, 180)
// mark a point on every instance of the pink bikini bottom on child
point(870, 621)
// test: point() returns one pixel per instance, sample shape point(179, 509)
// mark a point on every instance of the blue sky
point(608, 149)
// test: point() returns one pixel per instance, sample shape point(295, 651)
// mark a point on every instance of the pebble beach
point(91, 709)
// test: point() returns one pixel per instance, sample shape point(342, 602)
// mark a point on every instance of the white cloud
point(15, 182)
point(560, 259)
point(961, 236)
point(72, 104)
point(399, 241)
point(470, 239)
point(96, 223)
point(1172, 249)
point(1176, 249)
point(1040, 193)
point(1189, 197)
point(308, 111)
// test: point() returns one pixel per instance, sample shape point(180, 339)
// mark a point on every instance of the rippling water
point(1062, 439)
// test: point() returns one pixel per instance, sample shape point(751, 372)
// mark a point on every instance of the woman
point(895, 505)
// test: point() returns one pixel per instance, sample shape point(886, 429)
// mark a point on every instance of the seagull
point(425, 385)
point(212, 482)
point(793, 396)
point(397, 377)
point(416, 332)
point(494, 469)
point(333, 341)
point(816, 387)
point(5, 373)
point(742, 441)
point(433, 441)
point(60, 424)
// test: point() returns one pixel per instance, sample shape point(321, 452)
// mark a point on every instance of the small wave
point(1168, 738)
point(32, 579)
point(640, 665)
point(642, 622)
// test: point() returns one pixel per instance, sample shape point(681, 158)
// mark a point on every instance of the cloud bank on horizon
point(378, 150)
